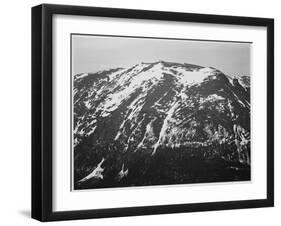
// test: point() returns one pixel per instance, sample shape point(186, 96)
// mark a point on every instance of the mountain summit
point(154, 120)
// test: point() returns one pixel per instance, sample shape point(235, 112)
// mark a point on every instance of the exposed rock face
point(135, 116)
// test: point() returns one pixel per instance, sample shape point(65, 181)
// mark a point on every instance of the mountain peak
point(127, 115)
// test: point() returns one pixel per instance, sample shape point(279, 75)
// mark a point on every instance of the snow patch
point(96, 173)
point(187, 77)
point(91, 131)
point(122, 173)
point(148, 133)
point(165, 126)
point(87, 104)
point(81, 76)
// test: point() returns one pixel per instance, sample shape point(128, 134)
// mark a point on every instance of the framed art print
point(147, 112)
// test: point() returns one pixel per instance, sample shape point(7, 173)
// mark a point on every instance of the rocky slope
point(160, 123)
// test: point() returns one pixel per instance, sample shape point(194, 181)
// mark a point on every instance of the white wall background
point(15, 113)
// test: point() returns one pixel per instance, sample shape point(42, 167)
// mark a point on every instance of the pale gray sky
point(94, 53)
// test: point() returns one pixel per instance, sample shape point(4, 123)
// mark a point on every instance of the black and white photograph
point(157, 111)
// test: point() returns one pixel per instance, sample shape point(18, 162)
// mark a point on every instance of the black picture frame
point(42, 107)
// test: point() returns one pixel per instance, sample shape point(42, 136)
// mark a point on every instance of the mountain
point(160, 123)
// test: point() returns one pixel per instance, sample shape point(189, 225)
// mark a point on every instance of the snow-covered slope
point(154, 106)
